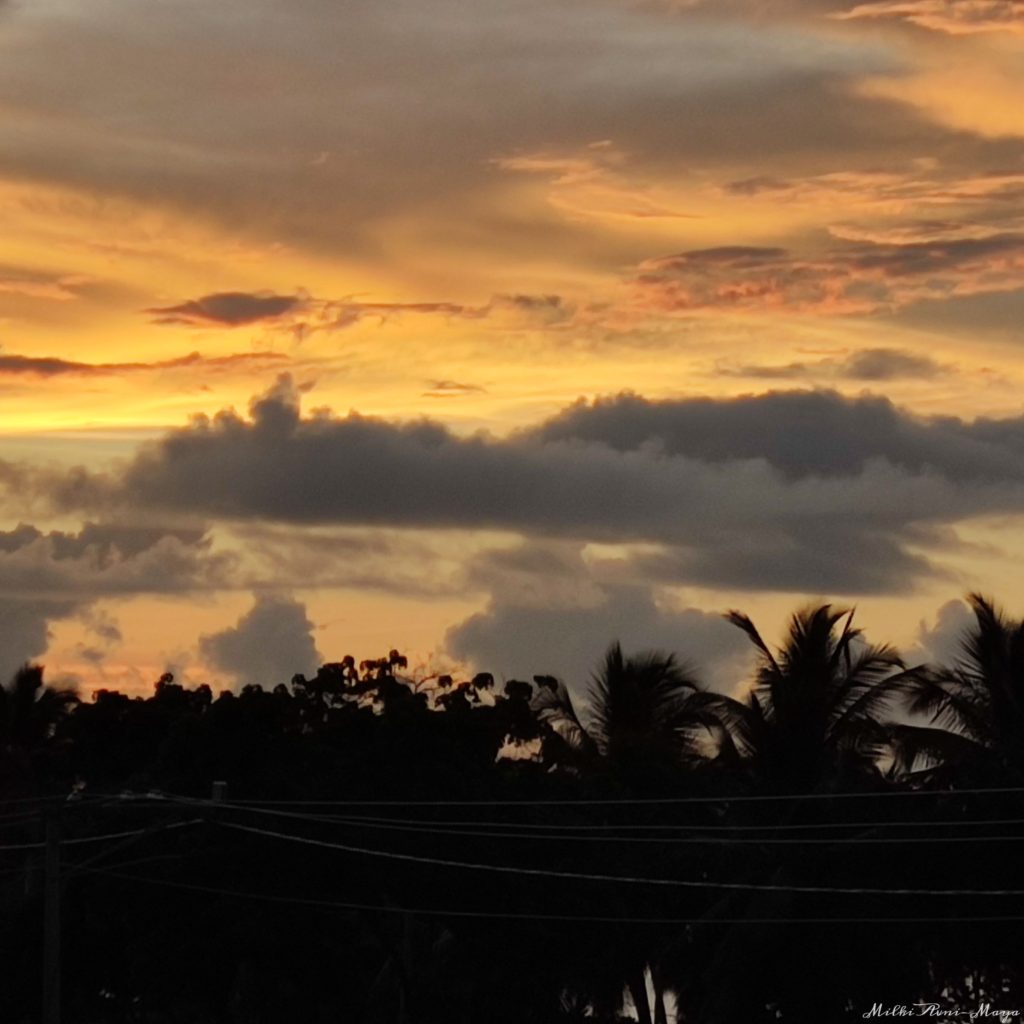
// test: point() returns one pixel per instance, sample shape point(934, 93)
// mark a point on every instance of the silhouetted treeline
point(840, 833)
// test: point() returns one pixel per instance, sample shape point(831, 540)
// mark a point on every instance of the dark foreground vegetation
point(384, 850)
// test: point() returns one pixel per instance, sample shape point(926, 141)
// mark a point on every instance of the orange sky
point(479, 215)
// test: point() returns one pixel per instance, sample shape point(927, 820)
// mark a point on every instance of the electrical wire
point(631, 827)
point(631, 801)
point(515, 830)
point(96, 839)
point(589, 827)
point(688, 840)
point(568, 918)
point(504, 831)
point(509, 869)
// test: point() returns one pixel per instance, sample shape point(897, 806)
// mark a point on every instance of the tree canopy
point(837, 832)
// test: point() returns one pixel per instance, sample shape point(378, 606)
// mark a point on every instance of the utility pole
point(51, 922)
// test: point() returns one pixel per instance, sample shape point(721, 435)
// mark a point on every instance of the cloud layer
point(954, 17)
point(269, 644)
point(46, 577)
point(571, 609)
point(855, 278)
point(802, 490)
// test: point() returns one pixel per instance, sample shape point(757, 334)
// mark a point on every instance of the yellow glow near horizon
point(676, 200)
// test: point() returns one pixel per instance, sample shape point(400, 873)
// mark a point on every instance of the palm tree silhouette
point(811, 723)
point(975, 707)
point(813, 713)
point(30, 712)
point(647, 716)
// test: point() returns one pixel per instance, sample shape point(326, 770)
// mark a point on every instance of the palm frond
point(946, 703)
point(555, 710)
point(744, 622)
point(916, 748)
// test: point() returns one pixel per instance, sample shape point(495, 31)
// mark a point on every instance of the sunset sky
point(494, 331)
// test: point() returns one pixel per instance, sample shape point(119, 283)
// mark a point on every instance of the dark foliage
point(385, 849)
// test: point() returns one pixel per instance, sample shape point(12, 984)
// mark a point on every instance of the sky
point(495, 331)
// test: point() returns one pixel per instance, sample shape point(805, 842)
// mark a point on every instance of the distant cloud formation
point(303, 315)
point(572, 606)
point(452, 389)
point(25, 629)
point(104, 559)
point(869, 365)
point(479, 212)
point(954, 17)
point(228, 309)
point(269, 644)
point(849, 492)
point(40, 284)
point(567, 642)
point(46, 577)
point(856, 278)
point(961, 201)
point(54, 366)
point(941, 643)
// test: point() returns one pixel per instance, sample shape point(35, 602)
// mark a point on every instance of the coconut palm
point(30, 712)
point(648, 717)
point(974, 708)
point(812, 722)
point(814, 711)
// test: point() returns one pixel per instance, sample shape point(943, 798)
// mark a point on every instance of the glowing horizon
point(479, 218)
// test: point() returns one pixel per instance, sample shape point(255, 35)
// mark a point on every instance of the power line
point(632, 827)
point(568, 918)
point(97, 839)
point(13, 820)
point(505, 831)
point(33, 800)
point(631, 801)
point(591, 827)
point(688, 840)
point(509, 869)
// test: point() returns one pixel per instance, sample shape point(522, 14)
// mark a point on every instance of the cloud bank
point(953, 17)
point(269, 644)
point(803, 490)
point(855, 278)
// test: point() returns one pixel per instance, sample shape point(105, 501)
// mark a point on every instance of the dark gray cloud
point(103, 635)
point(302, 315)
point(871, 364)
point(538, 310)
point(108, 559)
point(801, 434)
point(787, 490)
point(54, 576)
point(996, 315)
point(25, 629)
point(859, 277)
point(55, 366)
point(269, 644)
point(135, 105)
point(336, 315)
point(876, 364)
point(228, 309)
point(819, 554)
point(452, 389)
point(393, 562)
point(566, 641)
